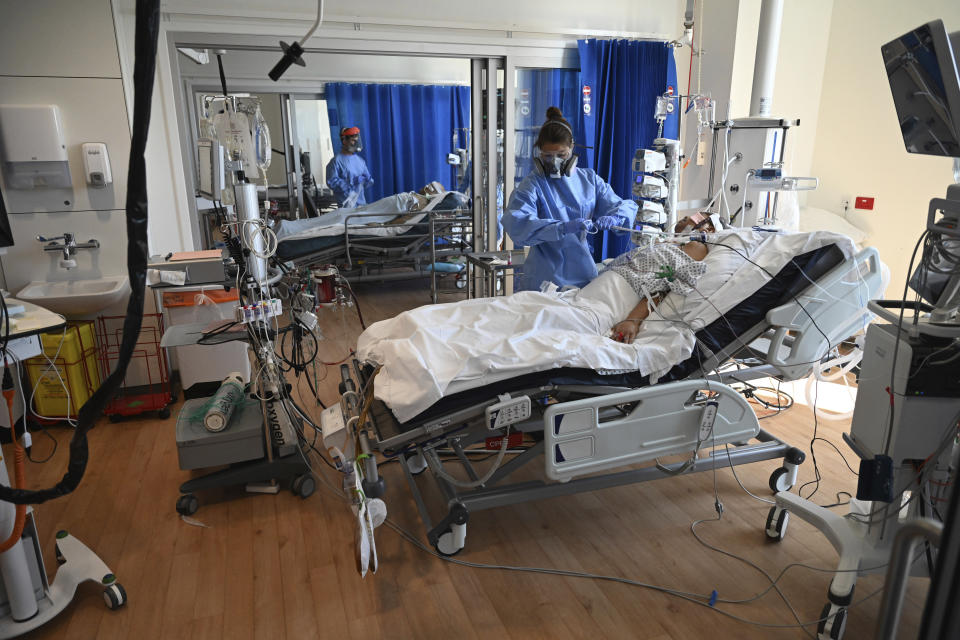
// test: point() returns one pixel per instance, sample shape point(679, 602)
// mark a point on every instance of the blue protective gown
point(535, 215)
point(346, 173)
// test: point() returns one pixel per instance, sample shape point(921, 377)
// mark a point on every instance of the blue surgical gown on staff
point(535, 215)
point(346, 173)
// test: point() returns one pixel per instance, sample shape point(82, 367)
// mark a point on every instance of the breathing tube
point(147, 30)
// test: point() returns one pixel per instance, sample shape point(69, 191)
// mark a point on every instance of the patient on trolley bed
point(654, 271)
point(393, 210)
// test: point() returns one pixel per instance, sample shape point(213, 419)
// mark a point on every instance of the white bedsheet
point(436, 350)
point(332, 224)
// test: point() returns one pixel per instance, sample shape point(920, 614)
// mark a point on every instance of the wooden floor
point(281, 567)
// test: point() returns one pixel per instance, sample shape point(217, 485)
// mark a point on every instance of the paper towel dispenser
point(33, 147)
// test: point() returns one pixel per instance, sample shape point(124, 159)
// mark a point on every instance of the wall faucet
point(69, 246)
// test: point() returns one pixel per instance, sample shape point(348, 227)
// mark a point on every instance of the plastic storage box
point(74, 357)
point(242, 440)
point(205, 363)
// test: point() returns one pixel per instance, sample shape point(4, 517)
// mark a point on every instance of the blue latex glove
point(608, 222)
point(577, 225)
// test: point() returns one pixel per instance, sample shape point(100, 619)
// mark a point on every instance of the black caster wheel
point(60, 558)
point(780, 480)
point(164, 413)
point(114, 596)
point(187, 505)
point(833, 622)
point(304, 486)
point(777, 519)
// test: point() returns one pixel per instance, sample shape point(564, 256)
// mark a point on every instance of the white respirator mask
point(553, 165)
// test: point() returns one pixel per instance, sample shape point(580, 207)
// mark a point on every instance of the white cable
point(438, 468)
point(316, 23)
point(266, 234)
point(845, 363)
point(51, 364)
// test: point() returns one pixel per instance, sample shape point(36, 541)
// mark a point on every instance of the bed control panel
point(508, 411)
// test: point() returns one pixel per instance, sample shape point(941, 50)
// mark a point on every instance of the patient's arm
point(626, 330)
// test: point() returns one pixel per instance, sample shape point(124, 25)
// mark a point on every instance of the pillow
point(721, 265)
point(816, 219)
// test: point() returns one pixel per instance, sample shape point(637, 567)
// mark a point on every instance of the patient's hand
point(625, 331)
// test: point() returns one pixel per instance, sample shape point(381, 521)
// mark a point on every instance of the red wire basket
point(147, 385)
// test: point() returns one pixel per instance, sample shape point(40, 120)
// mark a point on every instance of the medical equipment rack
point(157, 392)
point(284, 452)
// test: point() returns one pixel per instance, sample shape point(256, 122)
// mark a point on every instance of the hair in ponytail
point(556, 130)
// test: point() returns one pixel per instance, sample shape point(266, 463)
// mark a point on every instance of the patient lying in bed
point(392, 210)
point(655, 271)
point(442, 349)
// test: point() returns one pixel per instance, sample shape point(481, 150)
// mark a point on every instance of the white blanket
point(371, 223)
point(332, 224)
point(436, 350)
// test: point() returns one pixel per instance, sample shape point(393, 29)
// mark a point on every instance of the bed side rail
point(581, 437)
point(835, 306)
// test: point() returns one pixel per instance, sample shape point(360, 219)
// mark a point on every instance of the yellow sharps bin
point(72, 354)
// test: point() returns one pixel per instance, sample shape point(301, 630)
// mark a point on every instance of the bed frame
point(586, 432)
point(364, 258)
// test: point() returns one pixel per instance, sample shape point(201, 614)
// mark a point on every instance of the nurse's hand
point(609, 222)
point(577, 225)
point(625, 331)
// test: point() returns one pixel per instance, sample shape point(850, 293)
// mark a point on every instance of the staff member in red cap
point(347, 173)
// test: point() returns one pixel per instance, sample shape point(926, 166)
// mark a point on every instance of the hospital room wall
point(604, 17)
point(858, 149)
point(86, 85)
point(729, 32)
point(240, 66)
point(500, 23)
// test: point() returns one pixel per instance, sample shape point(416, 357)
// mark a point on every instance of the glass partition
point(538, 89)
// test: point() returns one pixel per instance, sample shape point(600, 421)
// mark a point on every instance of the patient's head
point(433, 188)
point(695, 222)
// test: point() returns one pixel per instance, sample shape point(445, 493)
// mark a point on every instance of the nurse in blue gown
point(347, 172)
point(555, 206)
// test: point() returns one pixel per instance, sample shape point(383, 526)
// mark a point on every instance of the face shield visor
point(350, 139)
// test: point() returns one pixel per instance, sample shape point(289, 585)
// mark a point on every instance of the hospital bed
point(386, 245)
point(592, 429)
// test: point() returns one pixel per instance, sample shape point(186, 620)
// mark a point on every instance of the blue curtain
point(407, 130)
point(621, 80)
point(538, 89)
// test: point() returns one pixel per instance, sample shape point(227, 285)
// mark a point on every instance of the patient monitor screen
point(926, 91)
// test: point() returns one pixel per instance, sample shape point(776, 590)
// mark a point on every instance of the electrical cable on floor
point(816, 469)
point(703, 600)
